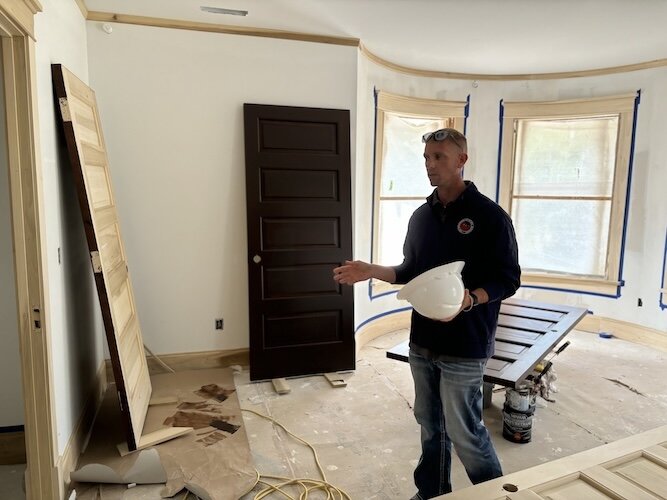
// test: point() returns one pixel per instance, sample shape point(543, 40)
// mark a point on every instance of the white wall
point(171, 103)
point(74, 321)
point(648, 206)
point(11, 413)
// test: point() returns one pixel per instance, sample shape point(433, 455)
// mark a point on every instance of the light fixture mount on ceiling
point(220, 10)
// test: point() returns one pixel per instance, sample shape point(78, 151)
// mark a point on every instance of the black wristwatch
point(474, 298)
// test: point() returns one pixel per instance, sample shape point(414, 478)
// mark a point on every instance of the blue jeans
point(448, 407)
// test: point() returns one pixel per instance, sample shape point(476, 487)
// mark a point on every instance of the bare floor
point(368, 441)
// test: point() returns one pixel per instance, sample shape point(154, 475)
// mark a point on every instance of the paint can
point(518, 415)
point(521, 399)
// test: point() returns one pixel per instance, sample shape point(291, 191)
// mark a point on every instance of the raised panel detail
point(312, 185)
point(300, 234)
point(297, 136)
point(299, 281)
point(110, 248)
point(302, 329)
point(98, 186)
point(645, 473)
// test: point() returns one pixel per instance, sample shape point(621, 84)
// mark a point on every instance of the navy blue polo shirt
point(474, 229)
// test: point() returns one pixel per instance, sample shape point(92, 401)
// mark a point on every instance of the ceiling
point(491, 37)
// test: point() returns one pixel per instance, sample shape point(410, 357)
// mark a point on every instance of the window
point(401, 184)
point(564, 175)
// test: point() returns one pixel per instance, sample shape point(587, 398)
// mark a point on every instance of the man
point(447, 358)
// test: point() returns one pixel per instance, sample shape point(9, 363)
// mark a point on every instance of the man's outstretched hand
point(352, 272)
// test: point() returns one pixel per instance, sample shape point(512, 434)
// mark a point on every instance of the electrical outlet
point(219, 324)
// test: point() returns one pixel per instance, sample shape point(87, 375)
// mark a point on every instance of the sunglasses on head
point(441, 135)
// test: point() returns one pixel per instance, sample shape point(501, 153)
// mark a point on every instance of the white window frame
point(622, 106)
point(453, 113)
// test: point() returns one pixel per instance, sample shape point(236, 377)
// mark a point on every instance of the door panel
point(299, 229)
point(633, 468)
point(88, 158)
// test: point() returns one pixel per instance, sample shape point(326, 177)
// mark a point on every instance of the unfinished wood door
point(634, 468)
point(299, 229)
point(88, 158)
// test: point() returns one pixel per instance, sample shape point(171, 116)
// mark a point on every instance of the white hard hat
point(437, 293)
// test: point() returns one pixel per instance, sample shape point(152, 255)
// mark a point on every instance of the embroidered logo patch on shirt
point(465, 226)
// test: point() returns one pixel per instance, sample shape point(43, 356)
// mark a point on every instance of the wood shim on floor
point(336, 379)
point(281, 386)
point(153, 438)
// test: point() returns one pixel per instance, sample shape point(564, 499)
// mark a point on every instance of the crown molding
point(507, 77)
point(82, 7)
point(108, 17)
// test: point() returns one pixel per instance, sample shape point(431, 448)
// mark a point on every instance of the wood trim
point(12, 448)
point(42, 479)
point(625, 330)
point(75, 445)
point(656, 63)
point(82, 7)
point(608, 287)
point(592, 106)
point(157, 22)
point(397, 320)
point(420, 107)
point(557, 197)
point(353, 42)
point(193, 361)
point(17, 16)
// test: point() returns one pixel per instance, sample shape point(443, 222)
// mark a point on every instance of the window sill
point(589, 285)
point(379, 287)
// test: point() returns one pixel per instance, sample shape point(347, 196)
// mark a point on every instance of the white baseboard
point(192, 361)
point(625, 330)
point(389, 323)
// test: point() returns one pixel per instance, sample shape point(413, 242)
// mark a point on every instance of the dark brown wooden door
point(299, 229)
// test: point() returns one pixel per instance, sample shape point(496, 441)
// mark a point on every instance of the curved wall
point(647, 216)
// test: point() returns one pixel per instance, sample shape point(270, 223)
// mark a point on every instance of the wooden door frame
point(24, 161)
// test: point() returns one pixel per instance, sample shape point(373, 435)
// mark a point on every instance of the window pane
point(562, 236)
point(394, 217)
point(566, 157)
point(403, 171)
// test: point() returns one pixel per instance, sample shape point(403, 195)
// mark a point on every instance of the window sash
point(623, 107)
point(451, 114)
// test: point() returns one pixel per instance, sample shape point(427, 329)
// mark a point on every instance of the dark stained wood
point(525, 338)
point(299, 228)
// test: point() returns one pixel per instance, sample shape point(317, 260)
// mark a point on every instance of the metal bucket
point(518, 415)
point(521, 399)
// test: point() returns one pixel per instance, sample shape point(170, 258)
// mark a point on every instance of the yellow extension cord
point(307, 485)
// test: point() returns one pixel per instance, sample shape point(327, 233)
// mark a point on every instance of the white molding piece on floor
point(75, 445)
point(386, 324)
point(625, 330)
